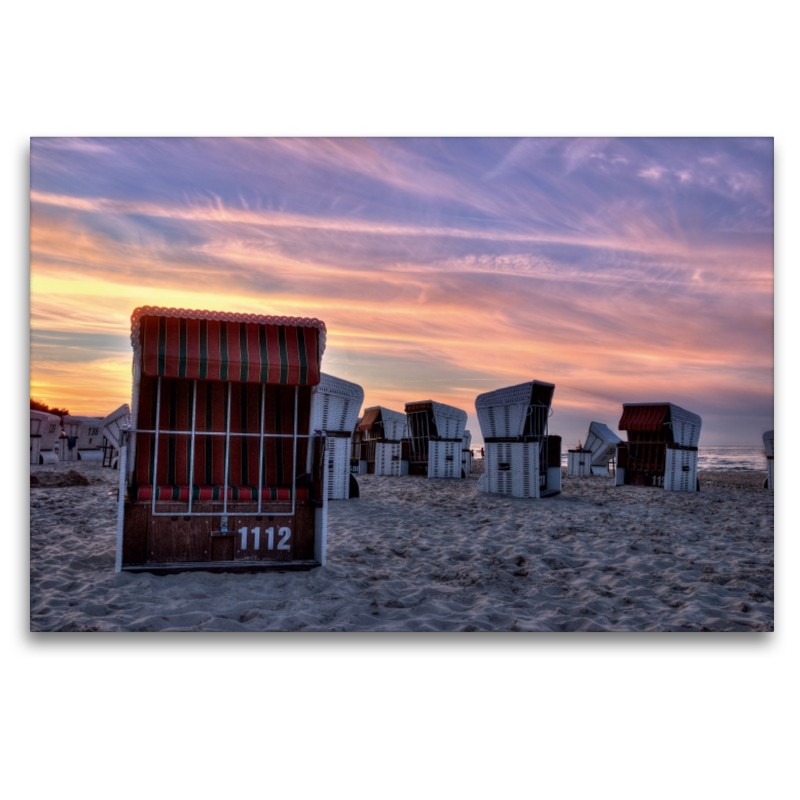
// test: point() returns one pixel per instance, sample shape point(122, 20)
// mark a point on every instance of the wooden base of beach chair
point(579, 463)
point(172, 540)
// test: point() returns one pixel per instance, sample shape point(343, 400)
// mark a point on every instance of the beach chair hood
point(503, 413)
point(244, 348)
point(684, 424)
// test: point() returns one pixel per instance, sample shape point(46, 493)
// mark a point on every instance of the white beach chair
point(110, 428)
point(594, 457)
point(769, 448)
point(661, 449)
point(522, 459)
point(435, 433)
point(383, 437)
point(335, 404)
point(89, 443)
point(45, 431)
point(68, 444)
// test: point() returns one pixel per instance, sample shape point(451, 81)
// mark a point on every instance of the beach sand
point(413, 554)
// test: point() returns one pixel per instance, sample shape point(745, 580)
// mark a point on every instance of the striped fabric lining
point(174, 451)
point(213, 493)
point(217, 350)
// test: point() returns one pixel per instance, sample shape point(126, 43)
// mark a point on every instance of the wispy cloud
point(615, 268)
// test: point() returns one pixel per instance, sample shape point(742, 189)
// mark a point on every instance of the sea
point(724, 459)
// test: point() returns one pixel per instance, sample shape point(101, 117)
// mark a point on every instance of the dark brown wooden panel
point(178, 538)
point(134, 534)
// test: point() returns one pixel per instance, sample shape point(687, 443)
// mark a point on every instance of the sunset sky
point(622, 270)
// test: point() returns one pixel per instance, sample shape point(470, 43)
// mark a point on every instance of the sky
point(621, 270)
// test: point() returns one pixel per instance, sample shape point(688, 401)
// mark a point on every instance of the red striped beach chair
point(220, 468)
point(661, 449)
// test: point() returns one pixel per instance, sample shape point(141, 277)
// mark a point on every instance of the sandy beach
point(413, 554)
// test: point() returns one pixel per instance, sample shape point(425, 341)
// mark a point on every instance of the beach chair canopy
point(681, 426)
point(114, 422)
point(769, 440)
point(515, 411)
point(383, 423)
point(220, 346)
point(449, 422)
point(602, 442)
point(335, 404)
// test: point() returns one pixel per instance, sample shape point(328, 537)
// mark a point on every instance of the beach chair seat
point(220, 448)
point(522, 458)
point(45, 431)
point(335, 404)
point(382, 434)
point(661, 449)
point(435, 434)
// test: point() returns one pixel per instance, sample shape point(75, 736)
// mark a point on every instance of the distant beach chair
point(435, 432)
point(45, 431)
point(110, 429)
point(383, 441)
point(769, 447)
point(595, 455)
point(68, 443)
point(214, 471)
point(358, 451)
point(661, 449)
point(522, 459)
point(335, 404)
point(89, 439)
point(466, 454)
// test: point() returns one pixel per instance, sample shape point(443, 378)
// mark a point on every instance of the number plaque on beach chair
point(221, 468)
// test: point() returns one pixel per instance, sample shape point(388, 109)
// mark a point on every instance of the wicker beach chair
point(45, 432)
point(384, 441)
point(769, 448)
point(435, 432)
point(335, 404)
point(214, 471)
point(594, 457)
point(522, 458)
point(110, 429)
point(661, 449)
point(68, 443)
point(358, 451)
point(88, 438)
point(466, 454)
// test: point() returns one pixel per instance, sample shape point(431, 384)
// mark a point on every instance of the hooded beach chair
point(358, 451)
point(594, 457)
point(522, 458)
point(214, 471)
point(110, 429)
point(383, 441)
point(335, 404)
point(661, 449)
point(466, 454)
point(45, 432)
point(769, 448)
point(68, 443)
point(88, 437)
point(435, 432)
